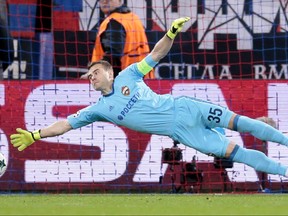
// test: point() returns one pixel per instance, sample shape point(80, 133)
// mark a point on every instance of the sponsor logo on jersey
point(129, 106)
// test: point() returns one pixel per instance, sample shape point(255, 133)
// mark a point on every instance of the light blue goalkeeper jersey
point(131, 104)
point(134, 105)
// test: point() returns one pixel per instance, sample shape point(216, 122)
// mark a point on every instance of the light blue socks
point(258, 160)
point(259, 129)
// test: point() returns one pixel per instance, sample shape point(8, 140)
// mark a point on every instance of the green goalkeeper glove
point(24, 138)
point(176, 27)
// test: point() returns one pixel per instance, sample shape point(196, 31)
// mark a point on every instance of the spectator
point(6, 42)
point(121, 38)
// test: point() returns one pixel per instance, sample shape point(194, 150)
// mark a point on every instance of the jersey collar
point(111, 93)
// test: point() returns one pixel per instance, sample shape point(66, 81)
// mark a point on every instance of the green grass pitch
point(144, 204)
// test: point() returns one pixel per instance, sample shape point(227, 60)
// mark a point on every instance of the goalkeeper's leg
point(258, 129)
point(256, 159)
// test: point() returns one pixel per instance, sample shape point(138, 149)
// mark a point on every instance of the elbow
point(67, 127)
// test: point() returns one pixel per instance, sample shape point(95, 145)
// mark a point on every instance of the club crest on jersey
point(76, 114)
point(125, 91)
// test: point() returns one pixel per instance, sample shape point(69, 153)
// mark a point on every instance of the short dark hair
point(105, 64)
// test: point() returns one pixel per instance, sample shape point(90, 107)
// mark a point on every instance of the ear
point(111, 74)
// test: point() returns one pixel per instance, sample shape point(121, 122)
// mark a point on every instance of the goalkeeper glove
point(24, 138)
point(176, 27)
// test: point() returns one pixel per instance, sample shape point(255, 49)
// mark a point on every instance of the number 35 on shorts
point(215, 114)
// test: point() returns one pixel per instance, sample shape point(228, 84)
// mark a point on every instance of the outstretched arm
point(23, 138)
point(56, 129)
point(162, 47)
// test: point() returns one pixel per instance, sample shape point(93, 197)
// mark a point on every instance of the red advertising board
point(103, 156)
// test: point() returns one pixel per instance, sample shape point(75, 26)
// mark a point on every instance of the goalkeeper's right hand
point(24, 138)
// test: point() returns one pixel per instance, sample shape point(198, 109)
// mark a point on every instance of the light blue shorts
point(194, 123)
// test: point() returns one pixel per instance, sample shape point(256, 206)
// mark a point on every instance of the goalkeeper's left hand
point(24, 138)
point(176, 27)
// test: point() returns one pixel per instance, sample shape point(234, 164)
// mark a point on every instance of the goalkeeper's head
point(101, 76)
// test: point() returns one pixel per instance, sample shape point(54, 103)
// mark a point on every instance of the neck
point(107, 90)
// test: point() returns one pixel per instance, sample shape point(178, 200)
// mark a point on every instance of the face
point(107, 6)
point(100, 78)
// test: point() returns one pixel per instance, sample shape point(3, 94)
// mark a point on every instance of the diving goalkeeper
point(128, 101)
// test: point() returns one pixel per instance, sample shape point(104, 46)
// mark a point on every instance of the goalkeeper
point(128, 101)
